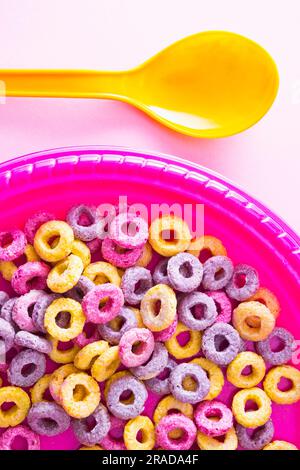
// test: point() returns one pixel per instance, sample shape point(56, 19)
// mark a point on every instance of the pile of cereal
point(113, 333)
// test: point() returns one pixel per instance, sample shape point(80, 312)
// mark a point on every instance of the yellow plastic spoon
point(211, 84)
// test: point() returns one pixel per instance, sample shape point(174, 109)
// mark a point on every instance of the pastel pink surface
point(59, 179)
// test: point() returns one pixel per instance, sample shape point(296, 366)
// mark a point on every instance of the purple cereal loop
point(124, 260)
point(112, 308)
point(89, 232)
point(167, 333)
point(10, 434)
point(161, 386)
point(123, 237)
point(197, 300)
point(217, 337)
point(262, 436)
point(170, 423)
point(129, 410)
point(83, 286)
point(40, 308)
point(16, 247)
point(113, 443)
point(156, 364)
point(210, 427)
point(90, 437)
point(4, 297)
point(113, 336)
point(20, 313)
point(16, 374)
point(34, 342)
point(276, 358)
point(31, 275)
point(248, 289)
point(135, 283)
point(223, 305)
point(128, 357)
point(177, 376)
point(6, 312)
point(48, 419)
point(217, 272)
point(7, 336)
point(34, 223)
point(160, 273)
point(184, 272)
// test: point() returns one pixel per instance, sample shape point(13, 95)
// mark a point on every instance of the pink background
point(119, 34)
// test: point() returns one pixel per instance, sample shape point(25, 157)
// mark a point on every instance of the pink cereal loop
point(120, 260)
point(34, 222)
point(110, 310)
point(145, 349)
point(123, 237)
point(8, 437)
point(35, 271)
point(16, 246)
point(209, 426)
point(112, 443)
point(167, 333)
point(21, 307)
point(223, 303)
point(82, 340)
point(170, 423)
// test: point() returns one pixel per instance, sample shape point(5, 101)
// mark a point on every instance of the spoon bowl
point(211, 84)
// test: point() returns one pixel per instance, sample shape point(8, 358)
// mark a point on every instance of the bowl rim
point(288, 237)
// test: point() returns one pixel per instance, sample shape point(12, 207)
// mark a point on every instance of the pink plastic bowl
point(57, 179)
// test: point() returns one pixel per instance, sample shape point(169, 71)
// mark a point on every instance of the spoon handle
point(63, 83)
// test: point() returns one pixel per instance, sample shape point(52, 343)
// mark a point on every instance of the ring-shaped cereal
point(62, 356)
point(30, 276)
point(213, 427)
point(102, 272)
point(76, 324)
point(81, 250)
point(106, 364)
point(163, 296)
point(55, 229)
point(266, 297)
point(141, 424)
point(145, 257)
point(19, 411)
point(240, 362)
point(170, 403)
point(191, 348)
point(251, 419)
point(8, 268)
point(128, 230)
point(92, 305)
point(179, 423)
point(86, 222)
point(169, 224)
point(31, 438)
point(206, 246)
point(84, 407)
point(280, 445)
point(12, 245)
point(145, 340)
point(87, 355)
point(57, 378)
point(116, 376)
point(215, 376)
point(120, 257)
point(273, 377)
point(246, 310)
point(40, 387)
point(129, 409)
point(34, 222)
point(230, 441)
point(65, 274)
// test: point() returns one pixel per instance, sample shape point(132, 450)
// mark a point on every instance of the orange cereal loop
point(145, 257)
point(84, 406)
point(272, 381)
point(102, 272)
point(85, 358)
point(206, 246)
point(37, 392)
point(62, 356)
point(261, 313)
point(267, 298)
point(57, 379)
point(55, 229)
point(65, 274)
point(17, 413)
point(169, 235)
point(106, 364)
point(280, 445)
point(189, 349)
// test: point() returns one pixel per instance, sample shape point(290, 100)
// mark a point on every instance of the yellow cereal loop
point(141, 424)
point(116, 376)
point(191, 348)
point(212, 245)
point(65, 274)
point(146, 256)
point(16, 414)
point(87, 355)
point(54, 230)
point(106, 364)
point(280, 445)
point(169, 235)
point(57, 379)
point(266, 297)
point(170, 403)
point(251, 419)
point(84, 407)
point(62, 356)
point(38, 390)
point(81, 250)
point(230, 441)
point(236, 367)
point(158, 307)
point(265, 321)
point(215, 376)
point(272, 380)
point(8, 268)
point(102, 272)
point(91, 448)
point(76, 323)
